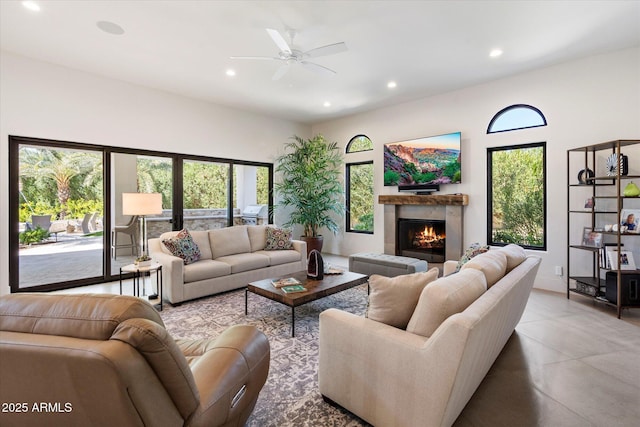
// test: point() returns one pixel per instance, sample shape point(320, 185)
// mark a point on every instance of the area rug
point(290, 396)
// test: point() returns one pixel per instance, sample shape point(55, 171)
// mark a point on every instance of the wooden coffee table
point(316, 289)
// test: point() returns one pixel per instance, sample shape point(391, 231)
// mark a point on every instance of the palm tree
point(60, 166)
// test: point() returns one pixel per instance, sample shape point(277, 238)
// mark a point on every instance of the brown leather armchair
point(107, 360)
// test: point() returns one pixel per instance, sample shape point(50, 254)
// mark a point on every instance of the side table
point(139, 272)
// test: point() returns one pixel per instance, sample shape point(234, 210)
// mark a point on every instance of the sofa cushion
point(229, 241)
point(445, 297)
point(245, 262)
point(472, 251)
point(205, 269)
point(493, 264)
point(278, 239)
point(281, 257)
point(515, 255)
point(257, 236)
point(201, 238)
point(392, 300)
point(183, 246)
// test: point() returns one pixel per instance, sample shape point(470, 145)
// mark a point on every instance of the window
point(359, 143)
point(517, 195)
point(514, 117)
point(359, 177)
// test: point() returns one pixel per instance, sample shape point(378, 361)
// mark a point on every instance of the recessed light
point(31, 5)
point(495, 53)
point(110, 27)
point(392, 84)
point(230, 73)
point(327, 104)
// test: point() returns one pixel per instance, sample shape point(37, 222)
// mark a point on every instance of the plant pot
point(313, 243)
point(146, 263)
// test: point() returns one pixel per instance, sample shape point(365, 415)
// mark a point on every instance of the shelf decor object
point(613, 163)
point(585, 175)
point(631, 190)
point(142, 205)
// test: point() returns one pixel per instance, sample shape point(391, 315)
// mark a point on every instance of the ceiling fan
point(291, 56)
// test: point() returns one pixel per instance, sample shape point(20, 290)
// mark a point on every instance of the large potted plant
point(308, 181)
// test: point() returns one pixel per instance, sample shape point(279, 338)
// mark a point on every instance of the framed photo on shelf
point(589, 203)
point(591, 238)
point(626, 260)
point(630, 218)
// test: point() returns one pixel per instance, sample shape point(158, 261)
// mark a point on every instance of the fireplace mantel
point(435, 199)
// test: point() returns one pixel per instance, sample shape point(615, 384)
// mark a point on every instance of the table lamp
point(142, 205)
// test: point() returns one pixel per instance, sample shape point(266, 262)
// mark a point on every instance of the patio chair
point(42, 221)
point(131, 228)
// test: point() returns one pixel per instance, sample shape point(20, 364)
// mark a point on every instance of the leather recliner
point(107, 360)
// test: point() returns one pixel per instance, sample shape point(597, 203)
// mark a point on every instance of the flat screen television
point(423, 162)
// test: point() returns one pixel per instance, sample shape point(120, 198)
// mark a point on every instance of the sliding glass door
point(135, 173)
point(59, 227)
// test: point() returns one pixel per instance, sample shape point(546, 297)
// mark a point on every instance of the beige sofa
point(231, 258)
point(107, 360)
point(392, 377)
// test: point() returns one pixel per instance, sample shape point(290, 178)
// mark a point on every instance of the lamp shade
point(141, 203)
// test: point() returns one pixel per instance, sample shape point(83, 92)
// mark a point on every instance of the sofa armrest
point(378, 372)
point(301, 247)
point(172, 272)
point(449, 267)
point(229, 373)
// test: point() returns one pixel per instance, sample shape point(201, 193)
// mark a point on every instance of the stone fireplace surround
point(448, 207)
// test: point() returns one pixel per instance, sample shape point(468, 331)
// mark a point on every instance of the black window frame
point(361, 135)
point(348, 196)
point(490, 152)
point(513, 107)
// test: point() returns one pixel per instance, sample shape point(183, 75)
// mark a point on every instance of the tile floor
point(569, 363)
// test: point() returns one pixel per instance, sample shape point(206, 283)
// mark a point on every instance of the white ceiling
point(427, 47)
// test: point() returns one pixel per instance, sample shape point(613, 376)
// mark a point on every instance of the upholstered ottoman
point(385, 265)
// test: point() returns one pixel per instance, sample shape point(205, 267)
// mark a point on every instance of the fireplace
point(421, 238)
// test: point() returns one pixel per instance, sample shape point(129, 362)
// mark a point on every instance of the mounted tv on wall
point(423, 163)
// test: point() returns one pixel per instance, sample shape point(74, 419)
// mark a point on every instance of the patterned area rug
point(290, 396)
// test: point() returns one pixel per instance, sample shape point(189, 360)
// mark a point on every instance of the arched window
point(359, 143)
point(514, 117)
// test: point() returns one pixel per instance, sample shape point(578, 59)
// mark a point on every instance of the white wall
point(592, 100)
point(46, 101)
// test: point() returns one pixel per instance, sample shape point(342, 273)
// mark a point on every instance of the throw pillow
point(392, 300)
point(473, 250)
point(278, 239)
point(183, 246)
point(446, 297)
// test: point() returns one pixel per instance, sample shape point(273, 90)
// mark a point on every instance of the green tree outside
point(518, 196)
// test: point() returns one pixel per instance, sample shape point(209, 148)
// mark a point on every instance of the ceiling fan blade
point(317, 68)
point(254, 57)
point(280, 72)
point(326, 50)
point(279, 40)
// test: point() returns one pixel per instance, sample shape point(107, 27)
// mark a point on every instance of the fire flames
point(428, 238)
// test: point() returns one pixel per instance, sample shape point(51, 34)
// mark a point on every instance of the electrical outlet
point(558, 270)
